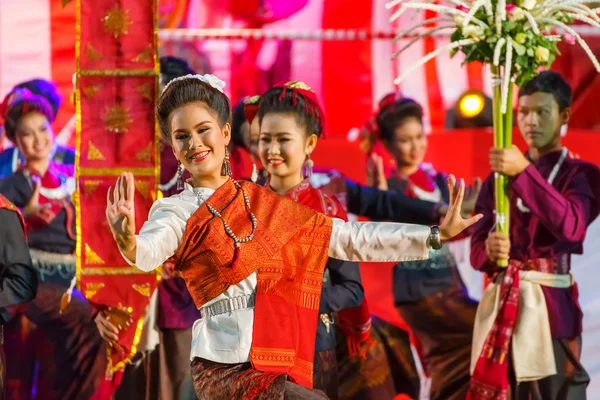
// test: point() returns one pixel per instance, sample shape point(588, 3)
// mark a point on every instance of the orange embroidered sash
point(289, 250)
point(354, 322)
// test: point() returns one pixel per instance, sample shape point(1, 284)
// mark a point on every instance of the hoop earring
point(226, 168)
point(180, 182)
point(308, 166)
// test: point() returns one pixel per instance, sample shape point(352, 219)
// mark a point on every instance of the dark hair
point(238, 120)
point(173, 67)
point(186, 91)
point(281, 99)
point(395, 115)
point(550, 82)
point(46, 89)
point(31, 103)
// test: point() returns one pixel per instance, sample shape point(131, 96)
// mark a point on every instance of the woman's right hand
point(108, 331)
point(120, 213)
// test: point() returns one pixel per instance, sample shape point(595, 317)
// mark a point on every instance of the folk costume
point(259, 301)
point(72, 368)
point(527, 335)
point(51, 239)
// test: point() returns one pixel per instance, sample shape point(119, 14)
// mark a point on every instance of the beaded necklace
point(236, 240)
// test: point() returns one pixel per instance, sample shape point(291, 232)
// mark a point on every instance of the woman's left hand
point(454, 223)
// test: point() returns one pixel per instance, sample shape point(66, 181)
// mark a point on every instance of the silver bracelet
point(434, 241)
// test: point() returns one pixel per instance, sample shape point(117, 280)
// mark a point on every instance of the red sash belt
point(490, 377)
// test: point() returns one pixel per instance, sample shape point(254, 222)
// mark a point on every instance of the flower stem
point(508, 128)
point(502, 139)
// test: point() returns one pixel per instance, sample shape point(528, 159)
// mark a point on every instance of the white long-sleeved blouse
point(226, 338)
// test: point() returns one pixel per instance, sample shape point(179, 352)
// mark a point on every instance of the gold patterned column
point(116, 90)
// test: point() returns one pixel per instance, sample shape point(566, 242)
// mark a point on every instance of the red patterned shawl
point(289, 250)
point(354, 322)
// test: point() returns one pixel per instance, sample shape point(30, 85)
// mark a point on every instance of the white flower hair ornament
point(206, 78)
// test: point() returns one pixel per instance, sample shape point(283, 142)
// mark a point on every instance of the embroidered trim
point(273, 357)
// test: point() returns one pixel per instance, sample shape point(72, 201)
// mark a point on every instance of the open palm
point(120, 211)
point(454, 223)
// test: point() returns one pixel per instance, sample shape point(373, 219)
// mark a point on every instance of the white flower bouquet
point(516, 38)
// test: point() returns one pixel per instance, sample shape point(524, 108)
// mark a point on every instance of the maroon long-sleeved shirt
point(557, 223)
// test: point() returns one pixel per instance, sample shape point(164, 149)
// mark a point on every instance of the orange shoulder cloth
point(289, 250)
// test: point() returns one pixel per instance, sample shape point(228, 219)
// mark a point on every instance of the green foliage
point(530, 51)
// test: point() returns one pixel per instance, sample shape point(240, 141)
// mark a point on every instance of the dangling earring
point(180, 182)
point(254, 176)
point(226, 168)
point(308, 166)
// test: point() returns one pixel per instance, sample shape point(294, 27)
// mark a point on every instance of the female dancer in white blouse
point(252, 260)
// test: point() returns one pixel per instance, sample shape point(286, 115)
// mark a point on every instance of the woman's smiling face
point(283, 144)
point(198, 140)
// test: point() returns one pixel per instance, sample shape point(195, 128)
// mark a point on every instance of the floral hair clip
point(206, 78)
point(299, 85)
point(252, 100)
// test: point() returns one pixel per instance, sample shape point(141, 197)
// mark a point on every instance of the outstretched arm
point(382, 205)
point(386, 241)
point(378, 241)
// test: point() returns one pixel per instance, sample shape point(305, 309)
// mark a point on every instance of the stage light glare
point(471, 105)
